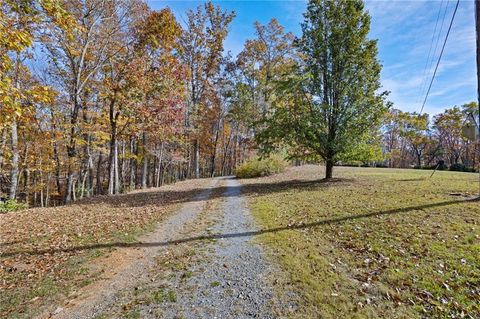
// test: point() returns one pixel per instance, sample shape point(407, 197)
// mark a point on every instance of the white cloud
point(405, 31)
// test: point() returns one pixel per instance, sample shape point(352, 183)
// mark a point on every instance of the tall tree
point(331, 104)
point(264, 61)
point(414, 128)
point(449, 127)
point(76, 61)
point(17, 34)
point(202, 47)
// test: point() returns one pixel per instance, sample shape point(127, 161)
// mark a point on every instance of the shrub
point(461, 168)
point(261, 167)
point(440, 166)
point(11, 205)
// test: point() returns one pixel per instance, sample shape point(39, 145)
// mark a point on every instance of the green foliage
point(163, 295)
point(330, 103)
point(366, 152)
point(11, 205)
point(261, 167)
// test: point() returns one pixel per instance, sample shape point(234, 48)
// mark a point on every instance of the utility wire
point(424, 76)
point(440, 56)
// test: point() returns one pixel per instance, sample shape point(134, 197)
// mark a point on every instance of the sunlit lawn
point(376, 243)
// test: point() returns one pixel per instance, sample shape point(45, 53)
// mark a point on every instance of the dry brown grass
point(45, 252)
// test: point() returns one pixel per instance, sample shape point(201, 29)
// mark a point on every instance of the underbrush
point(261, 167)
point(11, 205)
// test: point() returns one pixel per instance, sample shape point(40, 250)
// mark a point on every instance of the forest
point(103, 97)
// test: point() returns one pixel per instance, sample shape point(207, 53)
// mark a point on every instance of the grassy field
point(374, 243)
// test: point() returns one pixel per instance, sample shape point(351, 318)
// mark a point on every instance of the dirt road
point(200, 263)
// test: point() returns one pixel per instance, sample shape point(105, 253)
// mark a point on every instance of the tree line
point(106, 96)
point(414, 140)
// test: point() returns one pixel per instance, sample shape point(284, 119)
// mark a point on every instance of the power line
point(440, 56)
point(424, 76)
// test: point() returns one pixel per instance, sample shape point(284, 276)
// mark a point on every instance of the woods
point(106, 96)
point(421, 141)
point(111, 96)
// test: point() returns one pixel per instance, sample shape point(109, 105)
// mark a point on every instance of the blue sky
point(404, 31)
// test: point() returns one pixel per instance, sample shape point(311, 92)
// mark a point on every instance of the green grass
point(378, 243)
point(133, 314)
point(163, 295)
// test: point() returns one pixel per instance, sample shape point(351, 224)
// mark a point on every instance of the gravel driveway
point(206, 267)
point(235, 281)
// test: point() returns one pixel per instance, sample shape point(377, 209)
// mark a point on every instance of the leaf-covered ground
point(372, 243)
point(46, 254)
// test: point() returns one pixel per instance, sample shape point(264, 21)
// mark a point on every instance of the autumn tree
point(202, 47)
point(20, 20)
point(162, 90)
point(76, 60)
point(448, 126)
point(414, 128)
point(265, 60)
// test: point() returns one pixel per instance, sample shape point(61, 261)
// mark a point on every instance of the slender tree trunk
point(145, 161)
point(196, 159)
point(84, 181)
point(122, 166)
point(214, 155)
point(69, 185)
point(90, 172)
point(132, 164)
point(99, 175)
point(113, 169)
point(56, 157)
point(116, 172)
point(159, 166)
point(225, 155)
point(3, 146)
point(15, 160)
point(14, 140)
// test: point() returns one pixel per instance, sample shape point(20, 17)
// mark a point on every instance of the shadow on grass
point(242, 234)
point(160, 196)
point(412, 179)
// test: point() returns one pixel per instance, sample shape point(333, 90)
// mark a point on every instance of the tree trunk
point(132, 164)
point(159, 166)
point(113, 163)
point(116, 175)
point(196, 159)
point(145, 161)
point(329, 169)
point(69, 185)
point(15, 158)
point(99, 175)
point(2, 146)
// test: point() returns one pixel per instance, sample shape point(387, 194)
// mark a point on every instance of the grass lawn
point(374, 243)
